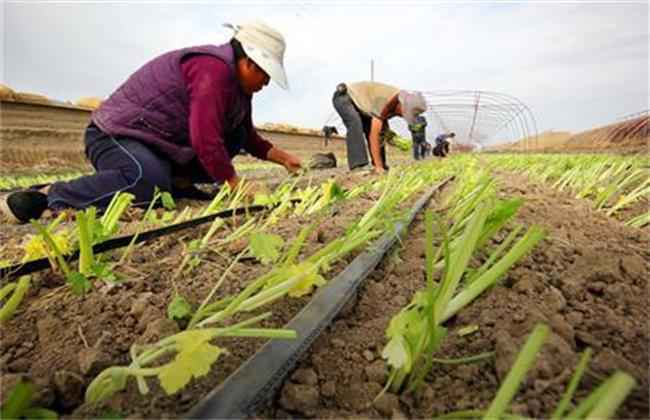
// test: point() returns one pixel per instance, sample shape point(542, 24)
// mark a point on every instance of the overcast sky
point(576, 65)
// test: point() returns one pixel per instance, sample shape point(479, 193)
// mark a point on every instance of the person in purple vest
point(178, 120)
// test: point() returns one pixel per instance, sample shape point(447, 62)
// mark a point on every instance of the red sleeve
point(255, 144)
point(210, 88)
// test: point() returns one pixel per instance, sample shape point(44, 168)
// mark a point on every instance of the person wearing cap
point(178, 120)
point(365, 108)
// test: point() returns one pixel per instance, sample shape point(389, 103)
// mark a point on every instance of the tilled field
point(587, 280)
point(61, 341)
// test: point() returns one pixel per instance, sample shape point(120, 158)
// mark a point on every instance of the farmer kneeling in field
point(178, 120)
point(365, 108)
point(442, 144)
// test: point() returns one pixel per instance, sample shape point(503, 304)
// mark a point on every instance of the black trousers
point(357, 127)
point(126, 164)
point(441, 149)
point(419, 148)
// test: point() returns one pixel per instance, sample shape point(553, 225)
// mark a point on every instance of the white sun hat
point(265, 46)
point(413, 104)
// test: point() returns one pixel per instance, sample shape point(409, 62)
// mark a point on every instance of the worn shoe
point(365, 169)
point(22, 206)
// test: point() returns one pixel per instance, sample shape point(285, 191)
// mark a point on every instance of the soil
point(587, 280)
point(61, 341)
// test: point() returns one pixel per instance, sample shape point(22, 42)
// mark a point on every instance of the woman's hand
point(292, 164)
point(285, 159)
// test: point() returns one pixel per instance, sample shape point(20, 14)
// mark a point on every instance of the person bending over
point(365, 108)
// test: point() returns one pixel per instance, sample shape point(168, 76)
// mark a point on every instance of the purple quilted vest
point(153, 105)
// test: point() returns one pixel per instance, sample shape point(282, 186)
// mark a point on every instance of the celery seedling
point(640, 220)
point(36, 246)
point(605, 400)
point(193, 358)
point(116, 208)
point(573, 385)
point(17, 290)
point(129, 248)
point(266, 247)
point(18, 404)
point(524, 361)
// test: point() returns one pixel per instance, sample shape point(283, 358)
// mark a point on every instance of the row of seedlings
point(415, 335)
point(190, 354)
point(611, 183)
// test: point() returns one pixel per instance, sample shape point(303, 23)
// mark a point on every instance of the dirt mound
point(631, 135)
point(6, 93)
point(544, 141)
point(288, 128)
point(31, 97)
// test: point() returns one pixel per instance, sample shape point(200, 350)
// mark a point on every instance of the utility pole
point(372, 70)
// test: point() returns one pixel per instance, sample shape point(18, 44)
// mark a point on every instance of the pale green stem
point(524, 361)
point(573, 385)
point(620, 385)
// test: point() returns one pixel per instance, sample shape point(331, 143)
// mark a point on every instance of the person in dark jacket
point(442, 144)
point(418, 136)
point(178, 120)
point(329, 131)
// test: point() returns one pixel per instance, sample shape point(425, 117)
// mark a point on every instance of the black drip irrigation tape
point(13, 271)
point(254, 383)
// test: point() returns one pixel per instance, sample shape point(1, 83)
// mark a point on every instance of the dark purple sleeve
point(210, 90)
point(255, 144)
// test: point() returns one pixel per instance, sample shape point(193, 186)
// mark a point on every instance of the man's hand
point(375, 143)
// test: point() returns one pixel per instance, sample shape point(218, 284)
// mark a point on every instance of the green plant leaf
point(111, 414)
point(397, 354)
point(106, 384)
point(194, 245)
point(194, 262)
point(40, 413)
point(194, 359)
point(307, 283)
point(168, 216)
point(78, 283)
point(179, 308)
point(102, 271)
point(266, 247)
point(18, 401)
point(263, 200)
point(167, 201)
point(19, 290)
